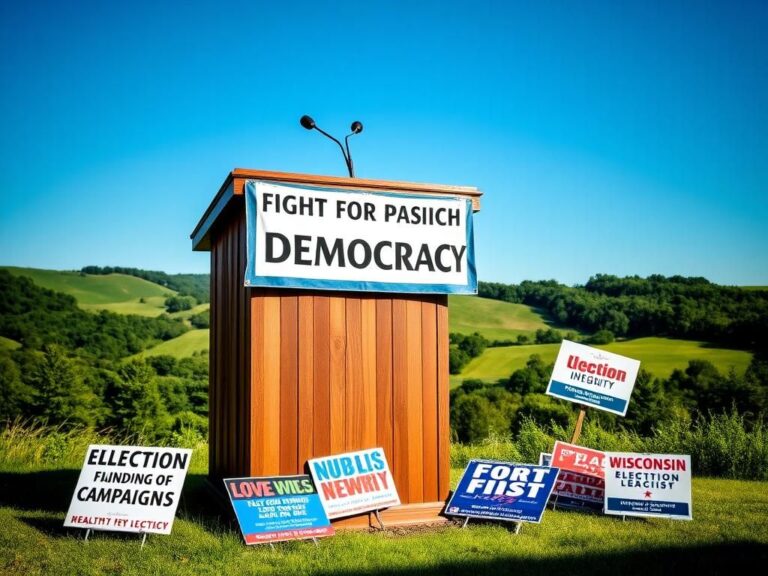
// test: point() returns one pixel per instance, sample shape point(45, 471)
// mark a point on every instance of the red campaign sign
point(578, 459)
point(580, 487)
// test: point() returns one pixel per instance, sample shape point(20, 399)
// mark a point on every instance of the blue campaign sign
point(277, 508)
point(503, 491)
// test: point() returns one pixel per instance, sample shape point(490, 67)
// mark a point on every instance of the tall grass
point(722, 445)
point(30, 446)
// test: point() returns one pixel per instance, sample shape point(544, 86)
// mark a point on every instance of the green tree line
point(479, 410)
point(675, 306)
point(35, 316)
point(72, 367)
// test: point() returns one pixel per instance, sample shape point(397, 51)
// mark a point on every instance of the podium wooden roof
point(234, 185)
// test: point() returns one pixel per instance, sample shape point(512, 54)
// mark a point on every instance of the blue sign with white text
point(339, 239)
point(503, 491)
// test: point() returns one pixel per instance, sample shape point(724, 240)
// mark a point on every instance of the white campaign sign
point(655, 485)
point(349, 240)
point(593, 377)
point(129, 489)
point(354, 482)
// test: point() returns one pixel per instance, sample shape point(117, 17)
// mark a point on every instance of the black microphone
point(307, 122)
point(357, 127)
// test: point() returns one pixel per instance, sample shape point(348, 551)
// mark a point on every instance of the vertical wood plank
point(369, 363)
point(242, 349)
point(322, 382)
point(237, 340)
point(429, 397)
point(338, 315)
point(257, 429)
point(400, 399)
point(306, 398)
point(443, 414)
point(224, 351)
point(231, 423)
point(289, 384)
point(355, 407)
point(237, 356)
point(414, 395)
point(213, 416)
point(384, 420)
point(272, 338)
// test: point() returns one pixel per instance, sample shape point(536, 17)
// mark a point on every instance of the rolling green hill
point(186, 314)
point(494, 319)
point(660, 356)
point(114, 292)
point(181, 346)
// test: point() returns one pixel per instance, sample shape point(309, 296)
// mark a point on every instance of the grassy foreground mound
point(729, 532)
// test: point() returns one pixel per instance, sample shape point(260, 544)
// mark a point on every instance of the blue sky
point(607, 137)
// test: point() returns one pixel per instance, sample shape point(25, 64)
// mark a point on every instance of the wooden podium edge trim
point(235, 181)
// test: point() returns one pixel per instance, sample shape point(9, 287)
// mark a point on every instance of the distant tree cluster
point(152, 397)
point(35, 316)
point(73, 367)
point(201, 320)
point(195, 285)
point(463, 348)
point(479, 409)
point(179, 303)
point(673, 306)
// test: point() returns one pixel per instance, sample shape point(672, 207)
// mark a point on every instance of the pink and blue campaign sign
point(503, 491)
point(278, 508)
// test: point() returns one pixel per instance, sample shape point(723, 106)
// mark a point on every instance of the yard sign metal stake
point(378, 519)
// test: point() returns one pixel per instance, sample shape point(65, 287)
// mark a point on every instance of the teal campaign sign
point(503, 491)
point(278, 508)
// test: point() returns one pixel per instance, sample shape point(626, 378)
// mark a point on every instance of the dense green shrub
point(723, 445)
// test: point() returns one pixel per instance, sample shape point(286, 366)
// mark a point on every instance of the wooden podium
point(297, 374)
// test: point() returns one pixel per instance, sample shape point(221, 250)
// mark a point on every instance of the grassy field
point(181, 346)
point(39, 470)
point(114, 292)
point(660, 356)
point(494, 319)
point(728, 534)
